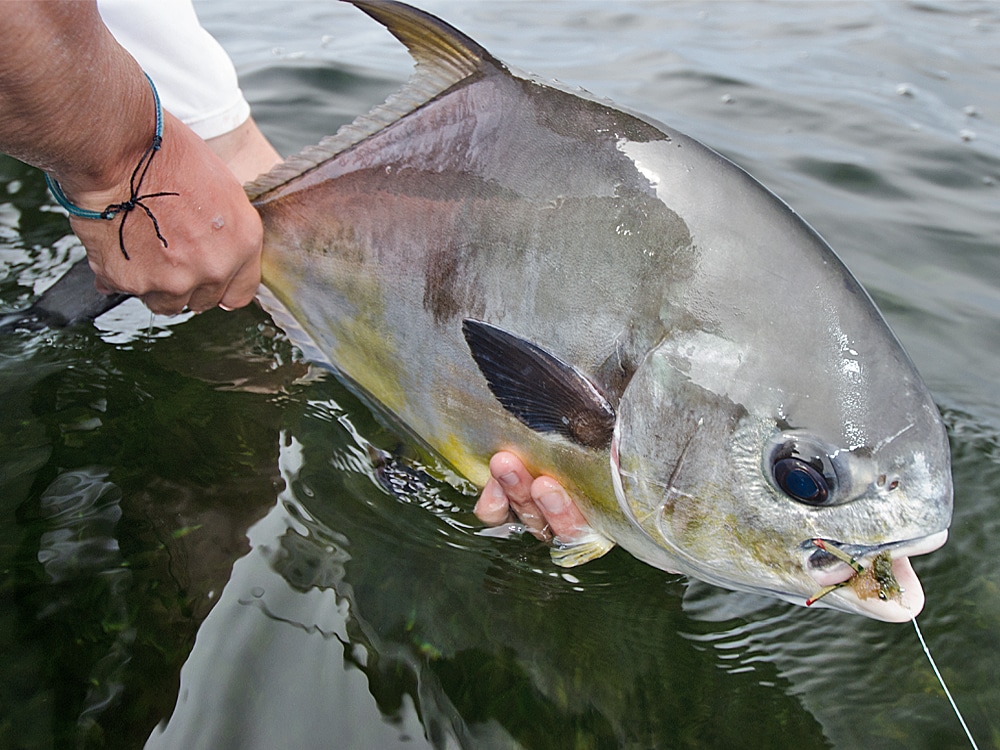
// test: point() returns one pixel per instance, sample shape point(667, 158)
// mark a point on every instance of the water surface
point(196, 547)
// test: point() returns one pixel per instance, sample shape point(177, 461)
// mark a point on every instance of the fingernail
point(553, 502)
point(509, 480)
point(497, 491)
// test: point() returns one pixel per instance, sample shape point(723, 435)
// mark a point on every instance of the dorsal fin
point(432, 42)
point(443, 55)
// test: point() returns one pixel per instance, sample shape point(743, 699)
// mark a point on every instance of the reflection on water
point(441, 622)
point(80, 512)
point(283, 639)
point(197, 541)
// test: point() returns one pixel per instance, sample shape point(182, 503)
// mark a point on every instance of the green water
point(195, 547)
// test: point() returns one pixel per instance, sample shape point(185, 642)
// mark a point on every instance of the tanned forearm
point(76, 104)
point(61, 72)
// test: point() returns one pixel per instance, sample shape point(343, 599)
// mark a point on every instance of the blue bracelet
point(135, 199)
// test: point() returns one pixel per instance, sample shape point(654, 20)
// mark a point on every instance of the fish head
point(776, 437)
point(756, 471)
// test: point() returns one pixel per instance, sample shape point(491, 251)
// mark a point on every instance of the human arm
point(74, 103)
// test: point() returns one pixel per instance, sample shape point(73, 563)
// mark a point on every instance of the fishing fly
point(875, 580)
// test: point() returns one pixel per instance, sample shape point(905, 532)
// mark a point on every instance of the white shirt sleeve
point(193, 74)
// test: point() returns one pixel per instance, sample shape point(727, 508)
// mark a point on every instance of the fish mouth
point(827, 570)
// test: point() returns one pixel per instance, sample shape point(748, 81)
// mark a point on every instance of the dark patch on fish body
point(474, 192)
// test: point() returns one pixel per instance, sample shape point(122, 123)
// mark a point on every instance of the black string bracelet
point(135, 199)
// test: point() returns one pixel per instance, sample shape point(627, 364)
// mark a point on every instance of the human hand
point(213, 233)
point(541, 503)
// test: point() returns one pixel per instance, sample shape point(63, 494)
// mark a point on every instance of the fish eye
point(805, 468)
point(801, 481)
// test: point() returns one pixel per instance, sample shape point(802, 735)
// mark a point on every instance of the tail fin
point(72, 299)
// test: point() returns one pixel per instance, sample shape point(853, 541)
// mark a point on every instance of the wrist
point(99, 173)
point(136, 195)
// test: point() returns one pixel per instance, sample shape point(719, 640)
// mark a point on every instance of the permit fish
point(495, 262)
point(499, 263)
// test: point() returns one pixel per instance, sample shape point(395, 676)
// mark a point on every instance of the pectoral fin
point(587, 546)
point(542, 391)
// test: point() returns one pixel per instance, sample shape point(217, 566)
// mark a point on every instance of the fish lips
point(827, 570)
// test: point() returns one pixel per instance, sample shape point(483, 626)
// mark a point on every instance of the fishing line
point(940, 679)
point(859, 570)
